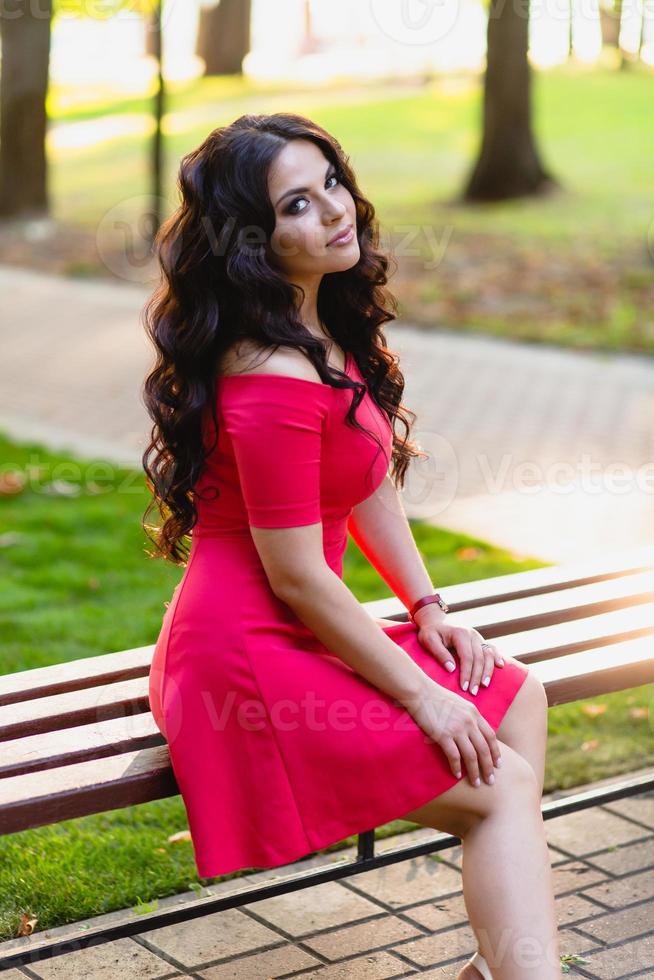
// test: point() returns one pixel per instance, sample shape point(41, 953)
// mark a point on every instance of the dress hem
point(496, 710)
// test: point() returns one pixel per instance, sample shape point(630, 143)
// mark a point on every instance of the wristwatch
point(432, 597)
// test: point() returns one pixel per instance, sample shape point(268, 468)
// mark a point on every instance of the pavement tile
point(355, 939)
point(211, 937)
point(575, 875)
point(271, 963)
point(438, 915)
point(407, 882)
point(624, 860)
point(313, 908)
point(440, 947)
point(611, 927)
point(588, 830)
point(639, 807)
point(121, 957)
point(622, 961)
point(376, 966)
point(624, 891)
point(572, 908)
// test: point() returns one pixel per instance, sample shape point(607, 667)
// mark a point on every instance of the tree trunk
point(508, 164)
point(224, 37)
point(25, 37)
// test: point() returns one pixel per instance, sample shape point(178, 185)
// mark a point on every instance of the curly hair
point(217, 287)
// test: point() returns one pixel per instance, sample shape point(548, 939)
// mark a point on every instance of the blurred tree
point(224, 36)
point(610, 12)
point(25, 44)
point(309, 43)
point(508, 163)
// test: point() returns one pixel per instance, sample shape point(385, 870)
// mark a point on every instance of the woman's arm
point(381, 530)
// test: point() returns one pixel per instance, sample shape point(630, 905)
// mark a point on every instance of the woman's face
point(306, 220)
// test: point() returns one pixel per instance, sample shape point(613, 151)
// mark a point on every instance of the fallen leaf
point(11, 482)
point(588, 746)
point(182, 835)
point(62, 488)
point(10, 537)
point(468, 554)
point(27, 923)
point(638, 712)
point(592, 710)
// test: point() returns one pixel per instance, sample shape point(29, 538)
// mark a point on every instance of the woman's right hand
point(459, 728)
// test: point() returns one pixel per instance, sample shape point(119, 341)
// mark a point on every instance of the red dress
point(278, 746)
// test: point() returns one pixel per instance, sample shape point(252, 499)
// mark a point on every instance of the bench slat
point(597, 671)
point(68, 791)
point(79, 738)
point(128, 732)
point(61, 748)
point(572, 636)
point(34, 800)
point(74, 708)
point(125, 664)
point(537, 581)
point(73, 675)
point(524, 616)
point(558, 607)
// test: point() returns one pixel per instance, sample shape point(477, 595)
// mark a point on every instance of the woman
point(293, 718)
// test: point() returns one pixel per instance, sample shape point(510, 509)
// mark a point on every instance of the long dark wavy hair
point(217, 288)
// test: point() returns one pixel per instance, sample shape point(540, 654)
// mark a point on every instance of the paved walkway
point(404, 920)
point(544, 451)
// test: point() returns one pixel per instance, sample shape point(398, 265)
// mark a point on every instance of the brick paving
point(546, 451)
point(403, 920)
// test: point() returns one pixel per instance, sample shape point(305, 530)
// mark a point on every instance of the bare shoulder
point(246, 357)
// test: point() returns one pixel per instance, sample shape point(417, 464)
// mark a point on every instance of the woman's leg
point(507, 877)
point(524, 726)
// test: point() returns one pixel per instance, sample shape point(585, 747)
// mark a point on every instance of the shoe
point(480, 964)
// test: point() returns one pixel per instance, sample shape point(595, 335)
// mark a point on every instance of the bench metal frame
point(78, 737)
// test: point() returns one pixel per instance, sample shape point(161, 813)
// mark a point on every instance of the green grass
point(575, 268)
point(430, 138)
point(76, 582)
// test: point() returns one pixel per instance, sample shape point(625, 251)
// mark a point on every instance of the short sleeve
point(275, 426)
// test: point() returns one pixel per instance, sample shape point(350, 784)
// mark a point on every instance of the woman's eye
point(292, 209)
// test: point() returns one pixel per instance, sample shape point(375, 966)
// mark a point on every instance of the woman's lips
point(344, 238)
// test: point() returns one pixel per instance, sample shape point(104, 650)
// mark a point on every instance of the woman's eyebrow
point(300, 190)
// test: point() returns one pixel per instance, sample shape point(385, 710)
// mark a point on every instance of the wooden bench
point(78, 737)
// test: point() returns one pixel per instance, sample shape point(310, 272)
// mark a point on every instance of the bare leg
point(524, 726)
point(507, 878)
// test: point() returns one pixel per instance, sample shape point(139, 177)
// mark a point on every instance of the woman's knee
point(515, 785)
point(529, 706)
point(464, 806)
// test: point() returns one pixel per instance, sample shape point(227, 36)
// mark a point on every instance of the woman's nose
point(335, 212)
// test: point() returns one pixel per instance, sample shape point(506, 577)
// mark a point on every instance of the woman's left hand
point(477, 657)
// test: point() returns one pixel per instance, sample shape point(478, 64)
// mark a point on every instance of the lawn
point(574, 268)
point(76, 581)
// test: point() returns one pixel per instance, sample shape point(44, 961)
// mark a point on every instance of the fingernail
point(486, 681)
point(464, 686)
point(449, 666)
point(491, 778)
point(474, 689)
point(501, 661)
point(458, 775)
point(477, 781)
point(499, 761)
